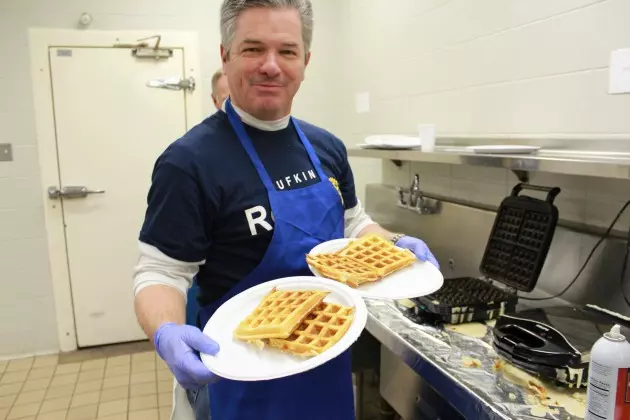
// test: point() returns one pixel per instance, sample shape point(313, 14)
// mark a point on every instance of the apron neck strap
point(239, 128)
point(317, 165)
point(243, 137)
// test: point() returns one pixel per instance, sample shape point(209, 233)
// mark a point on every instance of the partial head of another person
point(220, 90)
point(265, 48)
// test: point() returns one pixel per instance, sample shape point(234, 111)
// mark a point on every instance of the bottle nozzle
point(615, 334)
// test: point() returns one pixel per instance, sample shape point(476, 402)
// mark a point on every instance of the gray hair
point(230, 9)
point(215, 78)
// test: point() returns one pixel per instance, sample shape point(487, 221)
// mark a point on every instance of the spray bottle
point(608, 392)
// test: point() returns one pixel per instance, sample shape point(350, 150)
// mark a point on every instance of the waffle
point(379, 254)
point(343, 269)
point(367, 259)
point(321, 329)
point(278, 314)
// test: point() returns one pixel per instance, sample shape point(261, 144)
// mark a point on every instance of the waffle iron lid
point(520, 238)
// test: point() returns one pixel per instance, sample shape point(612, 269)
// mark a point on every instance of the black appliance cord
point(590, 255)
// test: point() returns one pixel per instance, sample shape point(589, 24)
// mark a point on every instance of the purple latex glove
point(418, 247)
point(177, 345)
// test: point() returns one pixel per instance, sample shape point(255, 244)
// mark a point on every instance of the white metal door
point(110, 128)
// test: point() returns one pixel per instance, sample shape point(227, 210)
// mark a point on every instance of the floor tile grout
point(135, 368)
point(146, 364)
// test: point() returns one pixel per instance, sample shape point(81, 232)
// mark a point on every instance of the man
point(239, 200)
point(220, 90)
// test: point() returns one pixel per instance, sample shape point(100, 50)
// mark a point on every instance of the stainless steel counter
point(458, 235)
point(607, 164)
point(439, 357)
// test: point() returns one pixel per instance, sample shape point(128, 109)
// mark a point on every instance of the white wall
point(27, 312)
point(492, 67)
point(472, 67)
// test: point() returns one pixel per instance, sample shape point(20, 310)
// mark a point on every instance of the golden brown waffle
point(279, 314)
point(363, 260)
point(379, 254)
point(321, 329)
point(343, 269)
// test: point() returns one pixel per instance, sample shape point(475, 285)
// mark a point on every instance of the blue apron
point(303, 217)
point(192, 306)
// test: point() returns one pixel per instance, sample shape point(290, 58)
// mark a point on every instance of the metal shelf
point(606, 164)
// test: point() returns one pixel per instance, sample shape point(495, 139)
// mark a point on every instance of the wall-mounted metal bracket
point(523, 176)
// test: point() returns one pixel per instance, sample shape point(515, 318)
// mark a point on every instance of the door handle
point(173, 83)
point(71, 192)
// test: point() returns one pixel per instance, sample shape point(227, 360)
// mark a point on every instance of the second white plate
point(393, 140)
point(386, 147)
point(503, 149)
point(419, 279)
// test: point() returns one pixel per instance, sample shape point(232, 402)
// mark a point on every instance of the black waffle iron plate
point(514, 255)
point(552, 342)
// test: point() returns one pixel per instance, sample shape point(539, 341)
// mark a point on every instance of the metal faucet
point(417, 201)
point(415, 195)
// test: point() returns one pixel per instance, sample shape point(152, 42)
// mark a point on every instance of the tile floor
point(122, 382)
point(113, 383)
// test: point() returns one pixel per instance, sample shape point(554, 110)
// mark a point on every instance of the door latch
point(173, 83)
point(71, 192)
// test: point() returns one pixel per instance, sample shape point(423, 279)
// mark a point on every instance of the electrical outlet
point(6, 153)
point(619, 81)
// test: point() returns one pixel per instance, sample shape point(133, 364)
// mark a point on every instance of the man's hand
point(177, 346)
point(419, 248)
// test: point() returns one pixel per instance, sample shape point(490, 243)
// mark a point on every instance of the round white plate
point(503, 149)
point(393, 140)
point(386, 147)
point(241, 361)
point(419, 279)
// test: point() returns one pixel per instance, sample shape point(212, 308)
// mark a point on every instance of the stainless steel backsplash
point(458, 234)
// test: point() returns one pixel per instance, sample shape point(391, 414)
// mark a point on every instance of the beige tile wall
point(491, 67)
point(488, 67)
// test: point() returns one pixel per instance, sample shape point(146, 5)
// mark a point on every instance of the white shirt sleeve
point(155, 267)
point(355, 219)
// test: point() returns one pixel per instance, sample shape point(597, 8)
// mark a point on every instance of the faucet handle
point(415, 185)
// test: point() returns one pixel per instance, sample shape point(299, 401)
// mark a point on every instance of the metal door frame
point(40, 42)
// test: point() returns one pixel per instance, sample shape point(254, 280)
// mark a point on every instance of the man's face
point(265, 65)
point(221, 92)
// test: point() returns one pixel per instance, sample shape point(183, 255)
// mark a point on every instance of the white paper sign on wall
point(362, 102)
point(619, 78)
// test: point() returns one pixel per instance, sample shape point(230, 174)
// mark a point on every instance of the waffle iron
point(554, 343)
point(514, 256)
